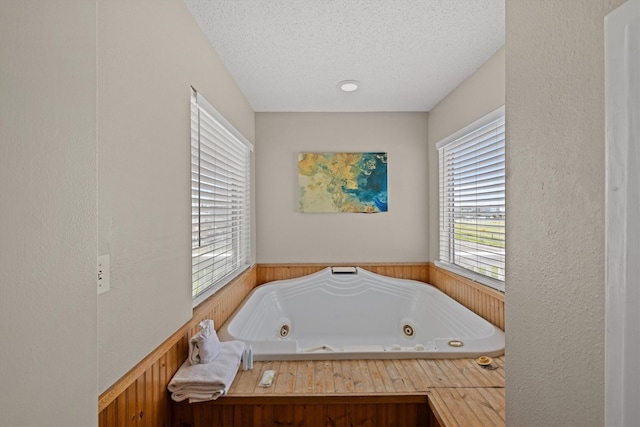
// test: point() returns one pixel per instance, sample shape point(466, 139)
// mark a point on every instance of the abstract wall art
point(342, 182)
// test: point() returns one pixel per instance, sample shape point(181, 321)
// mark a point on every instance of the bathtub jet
point(358, 316)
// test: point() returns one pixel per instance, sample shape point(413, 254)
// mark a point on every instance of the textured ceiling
point(289, 55)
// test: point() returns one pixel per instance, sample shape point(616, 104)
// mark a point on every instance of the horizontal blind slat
point(472, 200)
point(220, 201)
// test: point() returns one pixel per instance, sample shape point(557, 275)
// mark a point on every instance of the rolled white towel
point(204, 347)
point(207, 381)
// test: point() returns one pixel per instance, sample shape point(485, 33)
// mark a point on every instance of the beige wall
point(555, 205)
point(48, 214)
point(481, 93)
point(286, 235)
point(149, 54)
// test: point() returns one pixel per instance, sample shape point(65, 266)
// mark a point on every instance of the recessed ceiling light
point(348, 85)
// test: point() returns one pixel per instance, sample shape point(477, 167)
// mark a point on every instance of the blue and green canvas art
point(342, 182)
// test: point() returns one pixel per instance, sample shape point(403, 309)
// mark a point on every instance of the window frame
point(228, 177)
point(444, 260)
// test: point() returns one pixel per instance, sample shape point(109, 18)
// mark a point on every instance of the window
point(220, 200)
point(472, 200)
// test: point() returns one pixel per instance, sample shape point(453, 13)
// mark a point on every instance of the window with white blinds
point(472, 200)
point(220, 200)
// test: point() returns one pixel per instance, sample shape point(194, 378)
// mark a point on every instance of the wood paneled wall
point(386, 412)
point(400, 270)
point(482, 300)
point(140, 397)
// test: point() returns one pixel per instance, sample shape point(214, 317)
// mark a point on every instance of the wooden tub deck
point(411, 392)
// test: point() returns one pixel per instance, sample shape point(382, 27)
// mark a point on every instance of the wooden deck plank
point(397, 380)
point(328, 373)
point(499, 362)
point(460, 392)
point(441, 411)
point(367, 382)
point(415, 377)
point(347, 376)
point(414, 373)
point(367, 376)
point(378, 382)
point(466, 406)
point(450, 406)
point(299, 385)
point(281, 381)
point(494, 375)
point(241, 382)
point(489, 415)
point(454, 399)
point(254, 378)
point(338, 380)
point(457, 374)
point(474, 402)
point(309, 377)
point(430, 377)
point(292, 374)
point(496, 398)
point(437, 377)
point(319, 377)
point(356, 376)
point(384, 376)
point(473, 372)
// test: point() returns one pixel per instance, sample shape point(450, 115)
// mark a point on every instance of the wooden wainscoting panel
point(140, 397)
point(401, 270)
point(382, 413)
point(481, 299)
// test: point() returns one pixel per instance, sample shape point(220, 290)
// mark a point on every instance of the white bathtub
point(362, 315)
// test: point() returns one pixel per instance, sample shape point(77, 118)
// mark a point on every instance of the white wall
point(555, 204)
point(285, 235)
point(48, 214)
point(482, 92)
point(149, 54)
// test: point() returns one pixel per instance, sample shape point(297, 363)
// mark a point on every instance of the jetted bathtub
point(352, 313)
